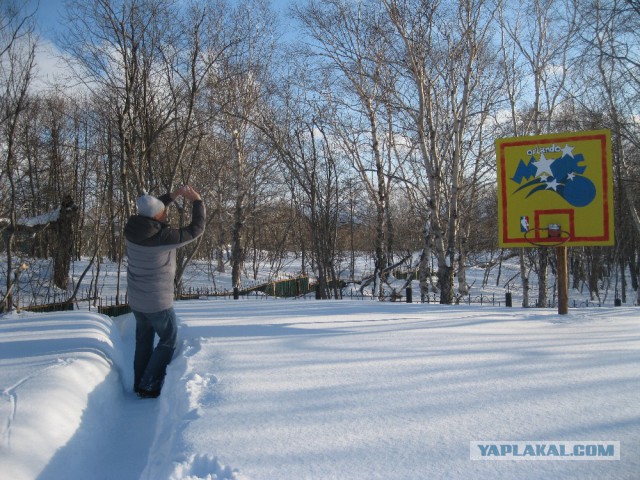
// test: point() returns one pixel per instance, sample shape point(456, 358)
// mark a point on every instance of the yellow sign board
point(555, 189)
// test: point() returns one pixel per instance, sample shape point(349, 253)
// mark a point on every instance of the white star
point(567, 150)
point(544, 178)
point(552, 185)
point(571, 176)
point(543, 165)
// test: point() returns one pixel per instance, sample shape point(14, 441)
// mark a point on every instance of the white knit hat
point(149, 206)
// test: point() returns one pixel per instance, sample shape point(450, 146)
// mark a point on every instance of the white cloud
point(51, 70)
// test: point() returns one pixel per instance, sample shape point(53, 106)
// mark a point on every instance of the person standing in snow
point(151, 251)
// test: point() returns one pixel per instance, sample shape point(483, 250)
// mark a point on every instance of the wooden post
point(563, 280)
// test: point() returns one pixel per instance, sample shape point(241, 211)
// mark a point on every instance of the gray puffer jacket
point(151, 252)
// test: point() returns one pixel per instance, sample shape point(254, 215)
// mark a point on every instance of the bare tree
point(147, 60)
point(444, 55)
point(147, 64)
point(299, 135)
point(17, 62)
point(237, 91)
point(612, 30)
point(351, 43)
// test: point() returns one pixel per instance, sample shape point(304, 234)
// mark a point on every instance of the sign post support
point(563, 280)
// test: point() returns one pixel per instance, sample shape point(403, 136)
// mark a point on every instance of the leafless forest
point(352, 126)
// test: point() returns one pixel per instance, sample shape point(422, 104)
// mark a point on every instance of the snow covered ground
point(305, 389)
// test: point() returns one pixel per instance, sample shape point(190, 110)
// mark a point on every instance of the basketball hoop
point(555, 235)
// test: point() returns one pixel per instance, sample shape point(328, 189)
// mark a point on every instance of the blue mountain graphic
point(525, 171)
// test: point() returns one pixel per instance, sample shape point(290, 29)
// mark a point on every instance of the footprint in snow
point(201, 389)
point(204, 467)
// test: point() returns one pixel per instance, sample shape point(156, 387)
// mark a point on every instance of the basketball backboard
point(555, 189)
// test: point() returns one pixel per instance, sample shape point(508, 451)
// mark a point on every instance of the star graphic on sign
point(571, 176)
point(552, 185)
point(567, 150)
point(543, 165)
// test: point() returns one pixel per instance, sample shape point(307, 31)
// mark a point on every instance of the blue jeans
point(150, 364)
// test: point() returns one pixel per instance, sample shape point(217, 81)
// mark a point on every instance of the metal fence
point(295, 288)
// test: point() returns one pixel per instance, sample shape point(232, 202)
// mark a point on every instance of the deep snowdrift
point(282, 389)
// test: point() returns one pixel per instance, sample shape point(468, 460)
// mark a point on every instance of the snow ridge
point(53, 364)
point(11, 395)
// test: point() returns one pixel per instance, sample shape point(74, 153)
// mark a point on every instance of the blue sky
point(50, 14)
point(50, 19)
